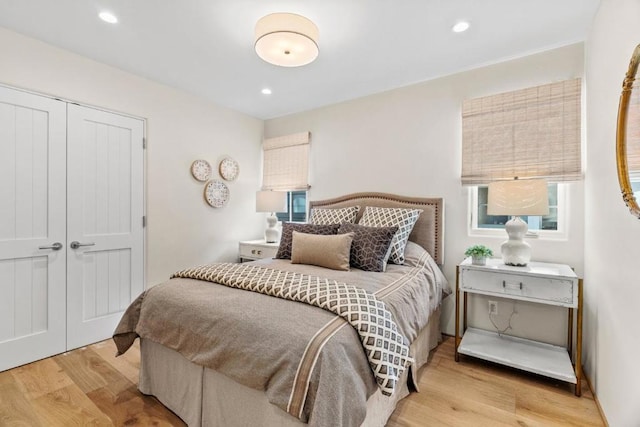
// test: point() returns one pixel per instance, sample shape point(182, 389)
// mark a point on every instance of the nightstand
point(539, 282)
point(251, 250)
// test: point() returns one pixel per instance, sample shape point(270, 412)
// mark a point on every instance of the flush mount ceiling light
point(460, 27)
point(266, 91)
point(286, 40)
point(108, 17)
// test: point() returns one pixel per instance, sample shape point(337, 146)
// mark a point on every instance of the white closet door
point(104, 211)
point(32, 227)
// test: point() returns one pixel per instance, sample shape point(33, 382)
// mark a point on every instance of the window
point(551, 225)
point(296, 207)
point(635, 186)
point(285, 168)
point(532, 133)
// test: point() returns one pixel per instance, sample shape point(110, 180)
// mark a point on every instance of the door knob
point(56, 246)
point(75, 244)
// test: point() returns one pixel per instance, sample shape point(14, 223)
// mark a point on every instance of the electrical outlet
point(493, 307)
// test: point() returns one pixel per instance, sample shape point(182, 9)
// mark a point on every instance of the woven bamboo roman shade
point(528, 133)
point(286, 162)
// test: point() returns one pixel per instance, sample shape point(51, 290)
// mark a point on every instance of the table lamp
point(515, 198)
point(271, 201)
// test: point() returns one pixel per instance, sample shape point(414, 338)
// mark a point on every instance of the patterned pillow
point(404, 219)
point(284, 251)
point(370, 247)
point(333, 216)
point(324, 251)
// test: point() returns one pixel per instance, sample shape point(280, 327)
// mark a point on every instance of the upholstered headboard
point(428, 231)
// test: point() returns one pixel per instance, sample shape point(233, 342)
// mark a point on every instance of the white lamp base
point(516, 251)
point(272, 234)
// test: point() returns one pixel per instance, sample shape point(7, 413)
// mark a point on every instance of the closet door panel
point(105, 204)
point(32, 219)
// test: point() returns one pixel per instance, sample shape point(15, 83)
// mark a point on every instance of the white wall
point(182, 229)
point(404, 141)
point(612, 235)
point(408, 141)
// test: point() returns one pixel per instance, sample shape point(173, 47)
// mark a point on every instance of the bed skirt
point(204, 397)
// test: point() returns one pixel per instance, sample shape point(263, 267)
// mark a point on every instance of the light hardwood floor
point(89, 386)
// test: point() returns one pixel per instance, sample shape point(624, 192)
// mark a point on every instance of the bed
point(253, 359)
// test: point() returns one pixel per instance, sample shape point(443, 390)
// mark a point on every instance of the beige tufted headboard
point(428, 231)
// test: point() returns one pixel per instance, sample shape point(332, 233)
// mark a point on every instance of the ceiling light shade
point(286, 40)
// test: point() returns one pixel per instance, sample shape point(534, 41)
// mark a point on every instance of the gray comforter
point(308, 361)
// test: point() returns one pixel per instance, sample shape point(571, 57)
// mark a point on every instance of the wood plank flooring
point(477, 393)
point(89, 386)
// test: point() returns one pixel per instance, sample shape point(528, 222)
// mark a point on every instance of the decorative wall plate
point(216, 193)
point(229, 169)
point(201, 170)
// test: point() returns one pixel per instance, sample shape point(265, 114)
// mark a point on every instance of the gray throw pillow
point(371, 246)
point(402, 218)
point(284, 251)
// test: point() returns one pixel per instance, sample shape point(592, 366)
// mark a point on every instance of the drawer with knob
point(256, 249)
point(549, 290)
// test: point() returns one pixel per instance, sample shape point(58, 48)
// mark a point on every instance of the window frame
point(290, 207)
point(559, 234)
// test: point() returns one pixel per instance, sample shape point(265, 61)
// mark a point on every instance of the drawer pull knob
point(504, 285)
point(260, 253)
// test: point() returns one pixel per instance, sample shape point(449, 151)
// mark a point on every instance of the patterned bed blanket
point(307, 360)
point(386, 349)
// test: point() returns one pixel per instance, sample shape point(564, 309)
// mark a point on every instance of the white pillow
point(333, 216)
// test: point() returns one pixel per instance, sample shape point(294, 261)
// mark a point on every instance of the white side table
point(251, 250)
point(539, 282)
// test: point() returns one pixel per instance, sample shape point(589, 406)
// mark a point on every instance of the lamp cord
point(498, 330)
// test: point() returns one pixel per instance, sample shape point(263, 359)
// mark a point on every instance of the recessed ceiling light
point(460, 27)
point(108, 17)
point(266, 91)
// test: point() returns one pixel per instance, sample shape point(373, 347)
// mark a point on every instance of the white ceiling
point(366, 46)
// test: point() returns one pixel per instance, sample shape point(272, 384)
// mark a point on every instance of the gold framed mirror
point(628, 136)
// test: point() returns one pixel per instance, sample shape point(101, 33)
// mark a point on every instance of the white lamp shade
point(518, 197)
point(271, 201)
point(286, 39)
